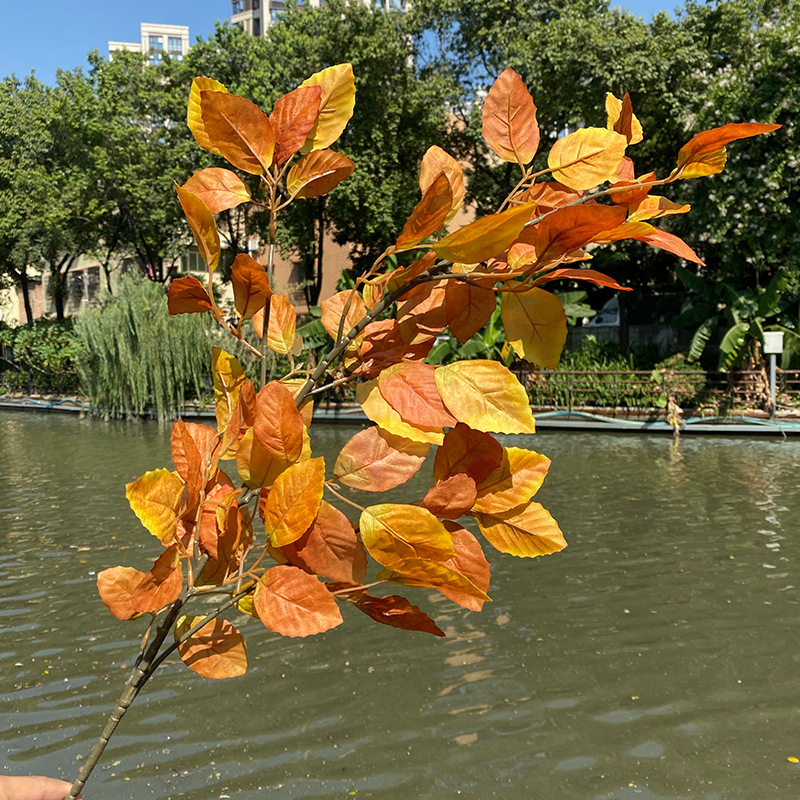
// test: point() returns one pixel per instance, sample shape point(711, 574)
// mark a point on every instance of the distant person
point(34, 788)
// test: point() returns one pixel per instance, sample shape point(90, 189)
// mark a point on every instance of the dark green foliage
point(39, 357)
point(134, 358)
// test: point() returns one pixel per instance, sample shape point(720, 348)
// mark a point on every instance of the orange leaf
point(348, 304)
point(469, 452)
point(704, 154)
point(620, 118)
point(156, 498)
point(187, 296)
point(422, 314)
point(429, 214)
point(586, 158)
point(672, 244)
point(567, 229)
point(318, 173)
point(278, 424)
point(470, 561)
point(203, 226)
point(468, 308)
point(436, 161)
point(535, 325)
point(588, 275)
point(410, 389)
point(336, 105)
point(293, 603)
point(432, 574)
point(655, 207)
point(330, 548)
point(486, 237)
point(392, 533)
point(509, 119)
point(228, 380)
point(486, 396)
point(220, 189)
point(375, 460)
point(281, 325)
point(635, 192)
point(526, 532)
point(250, 286)
point(214, 520)
point(217, 650)
point(397, 612)
point(195, 454)
point(514, 482)
point(292, 119)
point(116, 585)
point(256, 465)
point(294, 501)
point(239, 129)
point(161, 585)
point(194, 115)
point(383, 415)
point(452, 497)
point(387, 342)
point(548, 195)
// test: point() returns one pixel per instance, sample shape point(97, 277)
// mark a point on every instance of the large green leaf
point(701, 337)
point(731, 346)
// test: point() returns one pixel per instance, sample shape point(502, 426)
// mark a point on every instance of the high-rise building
point(255, 16)
point(156, 41)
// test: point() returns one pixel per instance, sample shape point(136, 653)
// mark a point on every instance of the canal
point(657, 658)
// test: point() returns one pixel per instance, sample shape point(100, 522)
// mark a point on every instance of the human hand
point(33, 788)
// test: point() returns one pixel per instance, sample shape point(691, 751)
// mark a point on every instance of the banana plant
point(742, 314)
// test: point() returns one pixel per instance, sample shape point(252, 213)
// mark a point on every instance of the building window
point(156, 43)
point(275, 13)
point(238, 6)
point(175, 45)
point(192, 262)
point(155, 59)
point(256, 5)
point(257, 26)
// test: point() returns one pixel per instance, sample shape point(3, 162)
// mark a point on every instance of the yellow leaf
point(386, 418)
point(228, 379)
point(614, 110)
point(654, 206)
point(336, 105)
point(435, 575)
point(217, 650)
point(535, 325)
point(586, 158)
point(194, 115)
point(282, 324)
point(486, 237)
point(393, 533)
point(514, 482)
point(486, 396)
point(156, 499)
point(294, 500)
point(525, 533)
point(203, 225)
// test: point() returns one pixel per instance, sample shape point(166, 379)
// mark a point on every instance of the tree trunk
point(316, 277)
point(26, 296)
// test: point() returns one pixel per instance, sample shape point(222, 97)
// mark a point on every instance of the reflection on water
point(655, 659)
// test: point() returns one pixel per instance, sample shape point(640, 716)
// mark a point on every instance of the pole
point(773, 404)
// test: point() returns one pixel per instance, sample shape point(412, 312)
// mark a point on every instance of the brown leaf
point(251, 289)
point(187, 296)
point(468, 308)
point(293, 603)
point(436, 161)
point(397, 612)
point(452, 497)
point(469, 452)
point(317, 173)
point(195, 454)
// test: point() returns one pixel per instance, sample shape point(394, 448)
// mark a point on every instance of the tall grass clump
point(133, 359)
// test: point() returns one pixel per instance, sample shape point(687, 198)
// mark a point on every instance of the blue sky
point(49, 34)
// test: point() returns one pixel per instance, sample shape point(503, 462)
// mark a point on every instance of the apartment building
point(156, 41)
point(255, 16)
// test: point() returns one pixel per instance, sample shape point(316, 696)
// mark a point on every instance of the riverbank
point(608, 420)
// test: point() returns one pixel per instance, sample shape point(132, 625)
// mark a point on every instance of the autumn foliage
point(267, 531)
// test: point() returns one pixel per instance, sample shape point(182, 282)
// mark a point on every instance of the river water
point(657, 658)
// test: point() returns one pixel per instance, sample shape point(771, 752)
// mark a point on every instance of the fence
point(724, 392)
